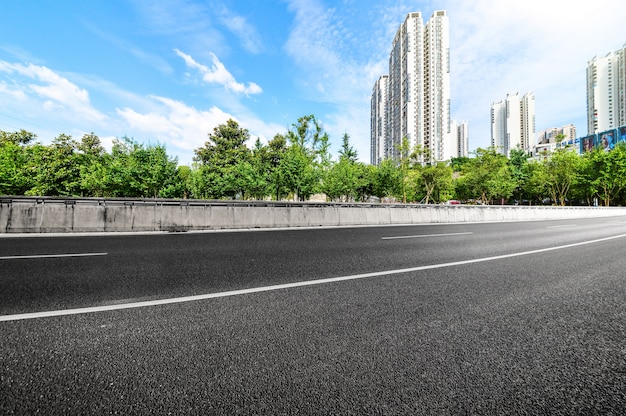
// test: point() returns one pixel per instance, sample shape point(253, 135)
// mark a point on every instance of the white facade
point(606, 92)
point(513, 123)
point(437, 88)
point(460, 135)
point(378, 121)
point(553, 138)
point(527, 124)
point(567, 133)
point(418, 89)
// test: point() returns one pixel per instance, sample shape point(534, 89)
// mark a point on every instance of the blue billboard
point(607, 140)
point(621, 134)
point(587, 143)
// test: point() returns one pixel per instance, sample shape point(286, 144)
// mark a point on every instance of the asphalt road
point(503, 318)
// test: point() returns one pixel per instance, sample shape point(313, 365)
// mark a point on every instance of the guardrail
point(20, 214)
point(184, 202)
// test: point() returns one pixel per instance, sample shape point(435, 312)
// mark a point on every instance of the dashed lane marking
point(51, 256)
point(423, 236)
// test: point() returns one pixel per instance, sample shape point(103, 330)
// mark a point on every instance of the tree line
point(297, 165)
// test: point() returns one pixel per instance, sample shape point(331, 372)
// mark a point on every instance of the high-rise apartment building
point(460, 137)
point(418, 90)
point(378, 121)
point(606, 92)
point(513, 123)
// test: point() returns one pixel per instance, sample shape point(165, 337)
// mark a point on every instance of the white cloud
point(176, 123)
point(219, 74)
point(47, 90)
point(185, 127)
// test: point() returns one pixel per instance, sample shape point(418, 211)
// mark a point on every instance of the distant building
point(606, 92)
point(378, 122)
point(418, 91)
point(553, 138)
point(513, 123)
point(460, 136)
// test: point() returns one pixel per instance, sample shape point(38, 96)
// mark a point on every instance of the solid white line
point(47, 314)
point(422, 236)
point(51, 256)
point(563, 226)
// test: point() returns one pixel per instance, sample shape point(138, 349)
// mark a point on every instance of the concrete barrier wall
point(43, 216)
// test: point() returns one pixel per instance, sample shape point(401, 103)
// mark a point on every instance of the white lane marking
point(51, 256)
point(563, 226)
point(423, 236)
point(47, 314)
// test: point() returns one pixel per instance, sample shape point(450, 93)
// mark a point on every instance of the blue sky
point(169, 71)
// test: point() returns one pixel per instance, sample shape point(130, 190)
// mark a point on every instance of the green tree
point(365, 182)
point(135, 170)
point(487, 177)
point(343, 180)
point(404, 166)
point(181, 186)
point(14, 176)
point(93, 164)
point(562, 171)
point(272, 161)
point(518, 159)
point(436, 182)
point(306, 159)
point(56, 168)
point(386, 179)
point(347, 152)
point(534, 186)
point(219, 159)
point(606, 172)
point(154, 171)
point(298, 172)
point(457, 163)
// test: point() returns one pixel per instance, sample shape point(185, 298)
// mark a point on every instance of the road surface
point(498, 318)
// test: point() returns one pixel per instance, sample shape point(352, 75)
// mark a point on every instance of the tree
point(135, 170)
point(299, 173)
point(93, 164)
point(347, 152)
point(562, 171)
point(457, 163)
point(409, 159)
point(180, 186)
point(534, 186)
point(365, 181)
point(14, 176)
point(487, 176)
point(154, 170)
point(606, 172)
point(518, 159)
point(21, 137)
point(343, 180)
point(218, 160)
point(307, 159)
point(56, 168)
point(273, 159)
point(436, 181)
point(386, 179)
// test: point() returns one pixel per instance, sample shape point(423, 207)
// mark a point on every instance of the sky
point(169, 71)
